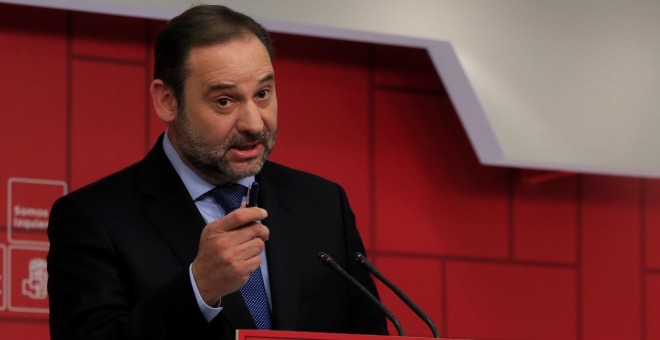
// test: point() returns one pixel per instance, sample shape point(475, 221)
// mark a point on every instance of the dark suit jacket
point(121, 248)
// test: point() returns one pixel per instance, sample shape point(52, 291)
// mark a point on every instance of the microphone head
point(324, 257)
point(359, 257)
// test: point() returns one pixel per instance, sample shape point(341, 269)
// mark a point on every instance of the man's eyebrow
point(228, 86)
point(267, 78)
point(220, 87)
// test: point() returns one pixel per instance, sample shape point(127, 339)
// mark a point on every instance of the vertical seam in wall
point(510, 188)
point(578, 251)
point(444, 331)
point(642, 266)
point(371, 148)
point(69, 99)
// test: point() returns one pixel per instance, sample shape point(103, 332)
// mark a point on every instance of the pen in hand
point(253, 194)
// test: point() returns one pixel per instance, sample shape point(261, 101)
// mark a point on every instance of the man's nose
point(250, 119)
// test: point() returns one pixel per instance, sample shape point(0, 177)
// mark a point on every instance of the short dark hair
point(202, 25)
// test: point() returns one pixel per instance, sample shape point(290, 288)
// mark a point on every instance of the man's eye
point(262, 94)
point(223, 102)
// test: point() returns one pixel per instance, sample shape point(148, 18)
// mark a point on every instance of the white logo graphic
point(34, 286)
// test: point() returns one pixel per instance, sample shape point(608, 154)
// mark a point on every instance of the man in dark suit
point(153, 252)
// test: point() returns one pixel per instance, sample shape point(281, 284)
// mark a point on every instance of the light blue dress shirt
point(210, 210)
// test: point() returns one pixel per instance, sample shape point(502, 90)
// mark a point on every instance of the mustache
point(244, 138)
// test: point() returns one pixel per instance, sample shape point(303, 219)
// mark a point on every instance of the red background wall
point(489, 253)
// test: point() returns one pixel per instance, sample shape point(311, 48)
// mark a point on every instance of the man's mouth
point(246, 146)
point(247, 151)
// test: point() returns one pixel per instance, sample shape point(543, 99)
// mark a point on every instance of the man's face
point(229, 120)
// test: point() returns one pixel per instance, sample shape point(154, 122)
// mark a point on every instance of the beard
point(210, 158)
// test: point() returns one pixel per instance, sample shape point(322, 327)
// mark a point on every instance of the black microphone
point(325, 258)
point(361, 259)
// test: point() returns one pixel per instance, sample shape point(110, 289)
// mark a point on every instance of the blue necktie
point(253, 292)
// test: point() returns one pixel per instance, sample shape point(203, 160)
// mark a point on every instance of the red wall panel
point(611, 257)
point(107, 129)
point(652, 307)
point(432, 196)
point(17, 329)
point(545, 220)
point(652, 223)
point(502, 301)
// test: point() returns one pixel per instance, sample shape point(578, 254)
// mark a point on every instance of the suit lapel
point(282, 251)
point(168, 205)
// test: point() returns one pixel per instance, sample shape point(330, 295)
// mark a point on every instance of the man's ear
point(164, 101)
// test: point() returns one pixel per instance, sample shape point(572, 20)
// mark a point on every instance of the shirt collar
point(195, 184)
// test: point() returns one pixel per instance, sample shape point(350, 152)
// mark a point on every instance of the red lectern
point(251, 334)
